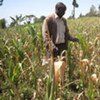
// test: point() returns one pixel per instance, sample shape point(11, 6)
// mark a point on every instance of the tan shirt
point(60, 30)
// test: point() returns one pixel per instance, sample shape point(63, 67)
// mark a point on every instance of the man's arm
point(46, 36)
point(45, 33)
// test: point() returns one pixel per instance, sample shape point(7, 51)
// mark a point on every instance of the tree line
point(93, 12)
point(17, 20)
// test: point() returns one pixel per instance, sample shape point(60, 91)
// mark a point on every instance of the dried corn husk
point(85, 65)
point(94, 78)
point(59, 70)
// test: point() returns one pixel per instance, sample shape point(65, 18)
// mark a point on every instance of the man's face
point(60, 11)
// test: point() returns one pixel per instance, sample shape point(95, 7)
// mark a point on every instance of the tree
point(40, 19)
point(17, 20)
point(81, 15)
point(99, 7)
point(99, 10)
point(30, 18)
point(92, 12)
point(2, 23)
point(75, 5)
point(1, 2)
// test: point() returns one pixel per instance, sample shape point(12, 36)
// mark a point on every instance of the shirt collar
point(56, 16)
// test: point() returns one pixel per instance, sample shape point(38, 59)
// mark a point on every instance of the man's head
point(60, 9)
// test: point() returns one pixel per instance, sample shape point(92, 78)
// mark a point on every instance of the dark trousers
point(61, 47)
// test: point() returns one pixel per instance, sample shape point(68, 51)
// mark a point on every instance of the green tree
point(99, 10)
point(40, 19)
point(1, 2)
point(99, 7)
point(2, 23)
point(17, 20)
point(92, 12)
point(29, 18)
point(81, 15)
point(75, 5)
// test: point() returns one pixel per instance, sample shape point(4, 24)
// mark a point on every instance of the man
point(56, 32)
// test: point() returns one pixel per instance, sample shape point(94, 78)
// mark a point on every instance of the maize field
point(22, 76)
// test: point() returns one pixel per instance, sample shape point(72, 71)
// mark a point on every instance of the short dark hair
point(60, 5)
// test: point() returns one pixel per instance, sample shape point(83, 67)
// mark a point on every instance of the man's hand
point(76, 40)
point(55, 52)
point(55, 49)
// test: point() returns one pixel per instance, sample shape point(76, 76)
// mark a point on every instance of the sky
point(42, 7)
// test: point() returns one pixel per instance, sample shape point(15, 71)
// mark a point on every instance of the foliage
point(39, 20)
point(75, 3)
point(1, 2)
point(2, 23)
point(93, 12)
point(17, 20)
point(22, 75)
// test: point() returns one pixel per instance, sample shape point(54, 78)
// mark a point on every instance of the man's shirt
point(60, 30)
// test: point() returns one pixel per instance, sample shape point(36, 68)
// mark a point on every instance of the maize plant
point(26, 75)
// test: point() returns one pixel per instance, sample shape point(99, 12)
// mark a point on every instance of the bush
point(2, 23)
